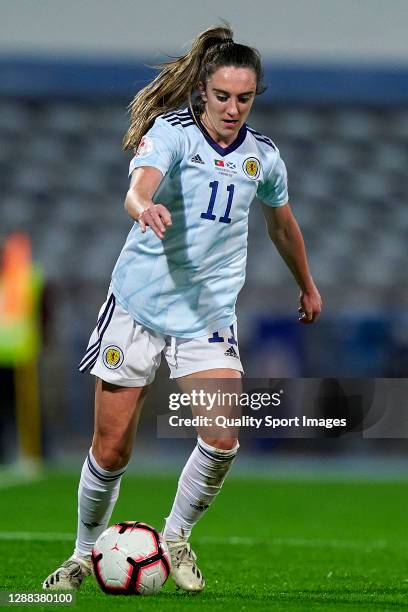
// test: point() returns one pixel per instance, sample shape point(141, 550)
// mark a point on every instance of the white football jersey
point(187, 284)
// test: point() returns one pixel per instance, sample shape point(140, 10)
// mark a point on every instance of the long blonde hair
point(179, 78)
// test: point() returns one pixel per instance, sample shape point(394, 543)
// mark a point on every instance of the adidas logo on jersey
point(231, 352)
point(197, 159)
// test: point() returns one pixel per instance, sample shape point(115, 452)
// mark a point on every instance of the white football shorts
point(126, 353)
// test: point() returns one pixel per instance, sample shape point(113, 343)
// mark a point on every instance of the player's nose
point(232, 108)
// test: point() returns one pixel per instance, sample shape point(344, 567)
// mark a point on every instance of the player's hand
point(310, 305)
point(157, 217)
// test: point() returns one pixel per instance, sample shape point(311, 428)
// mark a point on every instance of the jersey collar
point(221, 150)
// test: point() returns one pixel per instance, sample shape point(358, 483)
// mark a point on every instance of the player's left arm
point(287, 237)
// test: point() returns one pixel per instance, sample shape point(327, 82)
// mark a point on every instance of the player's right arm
point(158, 152)
point(139, 204)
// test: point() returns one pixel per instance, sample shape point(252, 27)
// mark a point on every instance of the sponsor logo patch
point(145, 147)
point(231, 352)
point(112, 357)
point(196, 159)
point(252, 167)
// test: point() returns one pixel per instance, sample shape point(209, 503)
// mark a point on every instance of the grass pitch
point(264, 545)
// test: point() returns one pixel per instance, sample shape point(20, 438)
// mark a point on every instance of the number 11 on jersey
point(209, 212)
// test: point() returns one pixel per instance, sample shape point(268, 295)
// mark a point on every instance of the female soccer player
point(175, 284)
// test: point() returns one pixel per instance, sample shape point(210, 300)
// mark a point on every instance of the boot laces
point(184, 554)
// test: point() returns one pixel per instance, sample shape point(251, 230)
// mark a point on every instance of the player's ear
point(201, 88)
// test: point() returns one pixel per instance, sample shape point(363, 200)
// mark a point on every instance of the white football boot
point(184, 570)
point(70, 575)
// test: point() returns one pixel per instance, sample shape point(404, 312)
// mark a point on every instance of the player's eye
point(244, 100)
point(222, 98)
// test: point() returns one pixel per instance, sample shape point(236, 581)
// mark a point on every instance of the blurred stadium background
point(337, 107)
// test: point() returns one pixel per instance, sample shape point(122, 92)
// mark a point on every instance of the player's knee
point(110, 458)
point(222, 443)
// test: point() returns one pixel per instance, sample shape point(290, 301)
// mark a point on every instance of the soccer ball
point(130, 558)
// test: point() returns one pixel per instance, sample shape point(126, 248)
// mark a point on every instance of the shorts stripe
point(100, 322)
point(103, 315)
point(90, 360)
point(92, 352)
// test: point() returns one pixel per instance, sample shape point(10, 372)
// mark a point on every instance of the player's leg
point(210, 461)
point(199, 484)
point(123, 355)
point(117, 411)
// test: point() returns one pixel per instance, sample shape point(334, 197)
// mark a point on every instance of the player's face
point(228, 97)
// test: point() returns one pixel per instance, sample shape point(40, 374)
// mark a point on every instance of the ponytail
point(172, 87)
point(178, 79)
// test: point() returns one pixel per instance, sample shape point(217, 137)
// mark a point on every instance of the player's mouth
point(230, 122)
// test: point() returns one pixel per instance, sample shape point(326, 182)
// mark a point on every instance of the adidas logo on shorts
point(197, 159)
point(231, 352)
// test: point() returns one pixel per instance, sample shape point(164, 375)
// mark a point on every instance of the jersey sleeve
point(161, 148)
point(273, 190)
